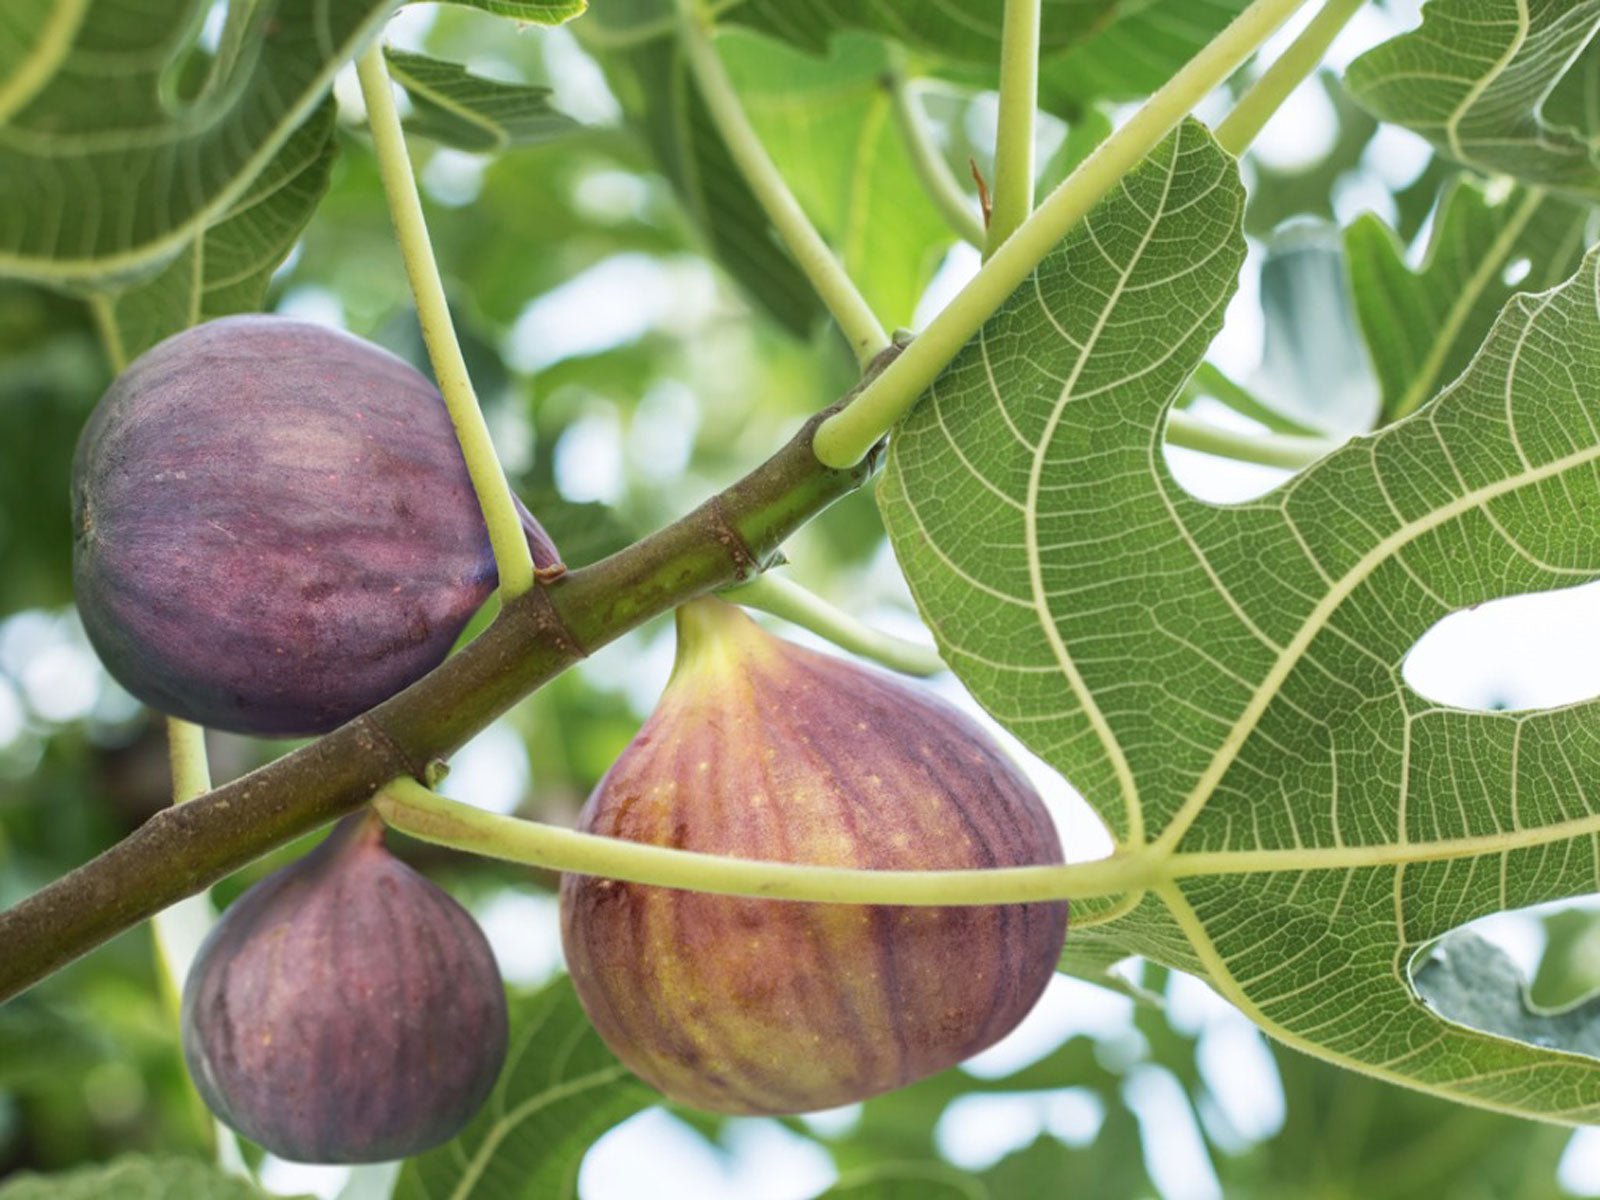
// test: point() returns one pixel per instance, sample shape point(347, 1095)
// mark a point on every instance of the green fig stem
point(844, 438)
point(186, 753)
point(787, 600)
point(1255, 108)
point(512, 557)
point(1266, 449)
point(811, 253)
point(412, 809)
point(1019, 98)
point(927, 159)
point(1210, 380)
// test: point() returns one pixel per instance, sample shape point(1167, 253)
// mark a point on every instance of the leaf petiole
point(847, 436)
point(414, 810)
point(786, 599)
point(1019, 98)
point(1255, 108)
point(511, 554)
point(814, 257)
point(929, 162)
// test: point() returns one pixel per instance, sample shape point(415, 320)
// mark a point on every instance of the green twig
point(511, 554)
point(849, 435)
point(1267, 449)
point(929, 162)
point(1019, 99)
point(411, 808)
point(827, 277)
point(1210, 380)
point(1255, 108)
point(786, 599)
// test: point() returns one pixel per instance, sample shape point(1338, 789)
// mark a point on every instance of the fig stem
point(414, 810)
point(1267, 449)
point(786, 599)
point(178, 931)
point(1303, 55)
point(811, 253)
point(1013, 145)
point(846, 437)
point(512, 557)
point(932, 168)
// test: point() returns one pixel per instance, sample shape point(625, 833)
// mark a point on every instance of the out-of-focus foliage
point(639, 339)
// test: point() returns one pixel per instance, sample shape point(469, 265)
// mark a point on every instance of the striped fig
point(344, 1009)
point(275, 529)
point(762, 749)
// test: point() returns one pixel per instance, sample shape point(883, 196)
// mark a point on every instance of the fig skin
point(765, 750)
point(344, 1009)
point(274, 527)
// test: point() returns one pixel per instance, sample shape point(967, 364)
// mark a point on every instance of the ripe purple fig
point(762, 749)
point(275, 529)
point(344, 1009)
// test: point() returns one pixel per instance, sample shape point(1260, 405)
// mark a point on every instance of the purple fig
point(275, 529)
point(764, 750)
point(344, 1009)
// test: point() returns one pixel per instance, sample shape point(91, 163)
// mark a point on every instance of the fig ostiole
point(345, 1009)
point(275, 527)
point(762, 749)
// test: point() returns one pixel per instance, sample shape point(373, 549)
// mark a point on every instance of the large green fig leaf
point(132, 147)
point(135, 1178)
point(451, 105)
point(1422, 325)
point(1503, 86)
point(1224, 683)
point(225, 269)
point(560, 1090)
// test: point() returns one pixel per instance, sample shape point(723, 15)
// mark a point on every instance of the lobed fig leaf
point(765, 750)
point(275, 529)
point(345, 1010)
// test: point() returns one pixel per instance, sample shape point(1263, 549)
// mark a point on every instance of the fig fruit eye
point(344, 1009)
point(274, 527)
point(765, 750)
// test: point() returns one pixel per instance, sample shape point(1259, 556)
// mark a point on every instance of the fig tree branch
point(845, 438)
point(188, 847)
point(512, 557)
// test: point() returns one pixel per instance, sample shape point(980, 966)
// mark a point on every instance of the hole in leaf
point(1532, 651)
point(1532, 975)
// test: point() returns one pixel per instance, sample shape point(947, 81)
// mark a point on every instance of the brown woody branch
point(187, 848)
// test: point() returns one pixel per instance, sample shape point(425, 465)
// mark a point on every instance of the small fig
point(344, 1009)
point(762, 749)
point(275, 529)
